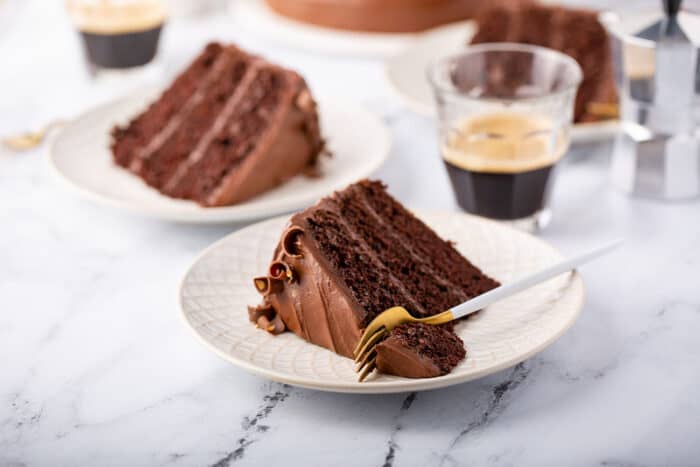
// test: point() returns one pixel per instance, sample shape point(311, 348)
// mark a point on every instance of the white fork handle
point(506, 290)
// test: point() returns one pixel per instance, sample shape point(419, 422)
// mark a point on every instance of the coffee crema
point(115, 16)
point(504, 142)
point(500, 164)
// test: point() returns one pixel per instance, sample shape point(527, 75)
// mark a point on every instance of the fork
point(30, 139)
point(365, 351)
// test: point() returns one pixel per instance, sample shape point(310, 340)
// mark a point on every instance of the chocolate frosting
point(303, 290)
point(290, 146)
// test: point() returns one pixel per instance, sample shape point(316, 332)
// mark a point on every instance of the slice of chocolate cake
point(230, 126)
point(351, 256)
point(575, 32)
point(418, 350)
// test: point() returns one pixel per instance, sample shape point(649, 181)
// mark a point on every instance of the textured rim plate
point(358, 140)
point(406, 74)
point(256, 17)
point(217, 289)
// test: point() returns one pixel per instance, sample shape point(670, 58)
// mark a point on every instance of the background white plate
point(257, 18)
point(406, 73)
point(217, 289)
point(358, 140)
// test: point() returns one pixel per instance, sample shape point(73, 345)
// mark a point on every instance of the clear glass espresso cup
point(505, 114)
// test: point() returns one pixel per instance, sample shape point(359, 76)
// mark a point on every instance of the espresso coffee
point(126, 50)
point(501, 165)
point(118, 34)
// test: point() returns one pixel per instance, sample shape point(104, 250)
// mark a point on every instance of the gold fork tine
point(365, 360)
point(368, 368)
point(372, 328)
point(373, 339)
point(366, 356)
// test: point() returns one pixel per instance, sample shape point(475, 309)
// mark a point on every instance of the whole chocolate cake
point(378, 15)
point(231, 126)
point(351, 256)
point(575, 32)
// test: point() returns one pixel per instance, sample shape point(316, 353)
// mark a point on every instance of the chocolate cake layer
point(353, 255)
point(290, 145)
point(370, 282)
point(128, 140)
point(575, 32)
point(417, 350)
point(229, 128)
point(441, 254)
point(160, 160)
point(362, 205)
point(246, 125)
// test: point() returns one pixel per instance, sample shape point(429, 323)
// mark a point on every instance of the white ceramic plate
point(256, 17)
point(358, 140)
point(406, 73)
point(217, 289)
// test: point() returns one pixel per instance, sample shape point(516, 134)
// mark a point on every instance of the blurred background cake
point(379, 15)
point(575, 32)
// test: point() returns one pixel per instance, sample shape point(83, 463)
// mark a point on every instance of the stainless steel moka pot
point(657, 61)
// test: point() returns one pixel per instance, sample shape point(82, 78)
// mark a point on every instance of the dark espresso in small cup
point(118, 34)
point(505, 113)
point(501, 165)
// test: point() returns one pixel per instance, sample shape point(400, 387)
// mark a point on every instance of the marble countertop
point(97, 369)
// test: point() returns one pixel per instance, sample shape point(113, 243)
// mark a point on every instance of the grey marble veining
point(97, 369)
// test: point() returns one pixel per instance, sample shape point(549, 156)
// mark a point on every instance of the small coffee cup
point(118, 35)
point(505, 116)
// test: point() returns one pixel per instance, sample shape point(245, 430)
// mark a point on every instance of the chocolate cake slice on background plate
point(575, 32)
point(231, 126)
point(351, 256)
